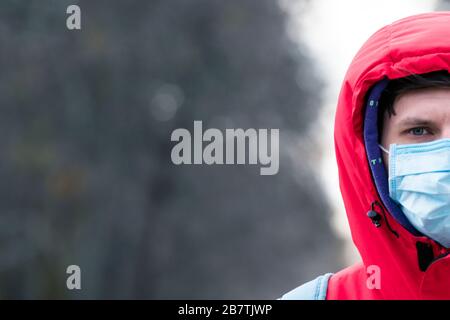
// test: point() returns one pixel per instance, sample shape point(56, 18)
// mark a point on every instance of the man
point(392, 140)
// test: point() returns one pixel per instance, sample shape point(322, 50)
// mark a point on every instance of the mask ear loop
point(383, 149)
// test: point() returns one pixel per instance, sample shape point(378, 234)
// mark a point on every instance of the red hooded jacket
point(414, 45)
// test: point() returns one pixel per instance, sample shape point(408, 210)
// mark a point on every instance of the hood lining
point(374, 157)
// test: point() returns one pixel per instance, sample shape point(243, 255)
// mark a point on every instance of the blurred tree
point(443, 5)
point(85, 121)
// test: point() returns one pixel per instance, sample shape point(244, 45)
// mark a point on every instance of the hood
point(411, 266)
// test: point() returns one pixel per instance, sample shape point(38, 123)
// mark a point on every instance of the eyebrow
point(411, 121)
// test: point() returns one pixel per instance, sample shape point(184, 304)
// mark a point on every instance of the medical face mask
point(419, 181)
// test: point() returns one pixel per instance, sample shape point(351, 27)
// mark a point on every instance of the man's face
point(421, 116)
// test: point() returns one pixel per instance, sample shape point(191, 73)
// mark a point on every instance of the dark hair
point(397, 87)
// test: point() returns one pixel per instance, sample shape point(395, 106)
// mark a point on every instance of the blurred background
point(86, 116)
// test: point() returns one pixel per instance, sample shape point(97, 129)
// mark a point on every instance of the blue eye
point(419, 131)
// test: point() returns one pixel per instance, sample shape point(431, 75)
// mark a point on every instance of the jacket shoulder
point(350, 284)
point(313, 290)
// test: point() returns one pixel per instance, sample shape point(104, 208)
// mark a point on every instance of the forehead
point(423, 102)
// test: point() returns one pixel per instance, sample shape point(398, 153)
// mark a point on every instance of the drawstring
point(376, 218)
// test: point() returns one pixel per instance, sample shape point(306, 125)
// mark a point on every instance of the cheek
point(386, 138)
point(386, 161)
point(386, 134)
